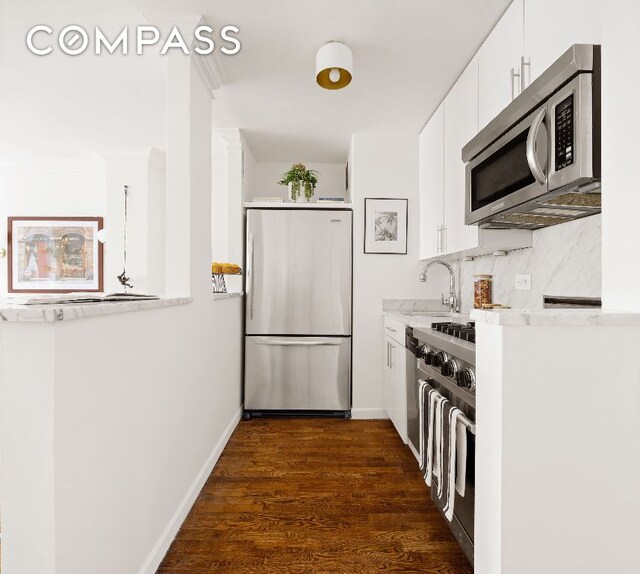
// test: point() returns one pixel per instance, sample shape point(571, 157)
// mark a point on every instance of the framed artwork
point(54, 254)
point(385, 226)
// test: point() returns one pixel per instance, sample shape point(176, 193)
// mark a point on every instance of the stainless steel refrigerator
point(298, 311)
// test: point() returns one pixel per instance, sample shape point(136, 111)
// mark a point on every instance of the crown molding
point(232, 137)
point(208, 67)
point(210, 72)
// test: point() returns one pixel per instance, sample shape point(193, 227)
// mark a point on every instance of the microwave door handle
point(532, 160)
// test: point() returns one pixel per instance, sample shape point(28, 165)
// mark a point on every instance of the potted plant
point(299, 178)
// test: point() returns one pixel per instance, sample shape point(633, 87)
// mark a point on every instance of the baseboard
point(169, 533)
point(369, 414)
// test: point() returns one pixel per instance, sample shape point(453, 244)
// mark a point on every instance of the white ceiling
point(61, 105)
point(407, 54)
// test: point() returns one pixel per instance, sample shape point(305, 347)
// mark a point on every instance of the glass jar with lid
point(481, 291)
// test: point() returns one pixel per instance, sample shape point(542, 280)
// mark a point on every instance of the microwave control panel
point(565, 145)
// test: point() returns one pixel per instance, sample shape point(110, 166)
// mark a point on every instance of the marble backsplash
point(564, 260)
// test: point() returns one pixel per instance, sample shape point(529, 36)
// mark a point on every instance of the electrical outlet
point(523, 282)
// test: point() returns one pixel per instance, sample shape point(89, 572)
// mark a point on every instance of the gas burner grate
point(464, 331)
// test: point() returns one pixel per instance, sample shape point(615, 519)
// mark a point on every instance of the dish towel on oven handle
point(424, 393)
point(461, 457)
point(441, 443)
point(452, 431)
point(434, 402)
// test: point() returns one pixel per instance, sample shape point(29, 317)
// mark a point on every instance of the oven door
point(463, 523)
point(511, 171)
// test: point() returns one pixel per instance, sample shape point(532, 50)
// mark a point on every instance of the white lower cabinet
point(395, 385)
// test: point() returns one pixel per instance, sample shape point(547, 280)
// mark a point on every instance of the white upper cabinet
point(460, 125)
point(431, 197)
point(499, 64)
point(442, 178)
point(552, 26)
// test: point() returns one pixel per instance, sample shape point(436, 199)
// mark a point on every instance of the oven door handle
point(532, 137)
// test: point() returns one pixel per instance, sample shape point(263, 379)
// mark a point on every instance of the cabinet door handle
point(443, 241)
point(390, 329)
point(387, 343)
point(439, 239)
point(525, 73)
point(391, 347)
point(515, 80)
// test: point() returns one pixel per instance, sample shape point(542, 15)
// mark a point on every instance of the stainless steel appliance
point(298, 311)
point(538, 162)
point(445, 356)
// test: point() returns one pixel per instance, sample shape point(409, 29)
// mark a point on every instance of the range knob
point(421, 351)
point(467, 379)
point(439, 358)
point(449, 368)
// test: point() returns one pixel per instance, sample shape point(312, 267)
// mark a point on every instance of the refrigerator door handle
point(250, 276)
point(298, 343)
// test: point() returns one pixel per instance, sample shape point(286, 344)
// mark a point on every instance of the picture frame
point(385, 226)
point(54, 254)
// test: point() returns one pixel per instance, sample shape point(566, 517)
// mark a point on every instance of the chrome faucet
point(452, 302)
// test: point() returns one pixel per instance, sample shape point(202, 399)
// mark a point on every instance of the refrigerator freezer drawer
point(297, 373)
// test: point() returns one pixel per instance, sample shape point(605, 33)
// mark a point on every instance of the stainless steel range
point(445, 358)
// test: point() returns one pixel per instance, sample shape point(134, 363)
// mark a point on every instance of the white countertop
point(425, 318)
point(556, 318)
point(419, 312)
point(15, 312)
point(231, 295)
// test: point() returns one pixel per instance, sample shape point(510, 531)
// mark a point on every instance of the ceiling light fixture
point(334, 65)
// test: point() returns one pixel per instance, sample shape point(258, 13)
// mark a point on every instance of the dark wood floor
point(315, 496)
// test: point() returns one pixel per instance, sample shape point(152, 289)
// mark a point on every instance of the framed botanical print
point(385, 226)
point(54, 254)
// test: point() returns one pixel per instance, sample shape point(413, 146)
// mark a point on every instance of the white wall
point(248, 173)
point(108, 441)
point(620, 152)
point(383, 165)
point(49, 188)
point(219, 199)
point(137, 410)
point(58, 104)
point(331, 182)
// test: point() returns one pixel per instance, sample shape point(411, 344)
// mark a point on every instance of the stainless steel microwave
point(538, 162)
